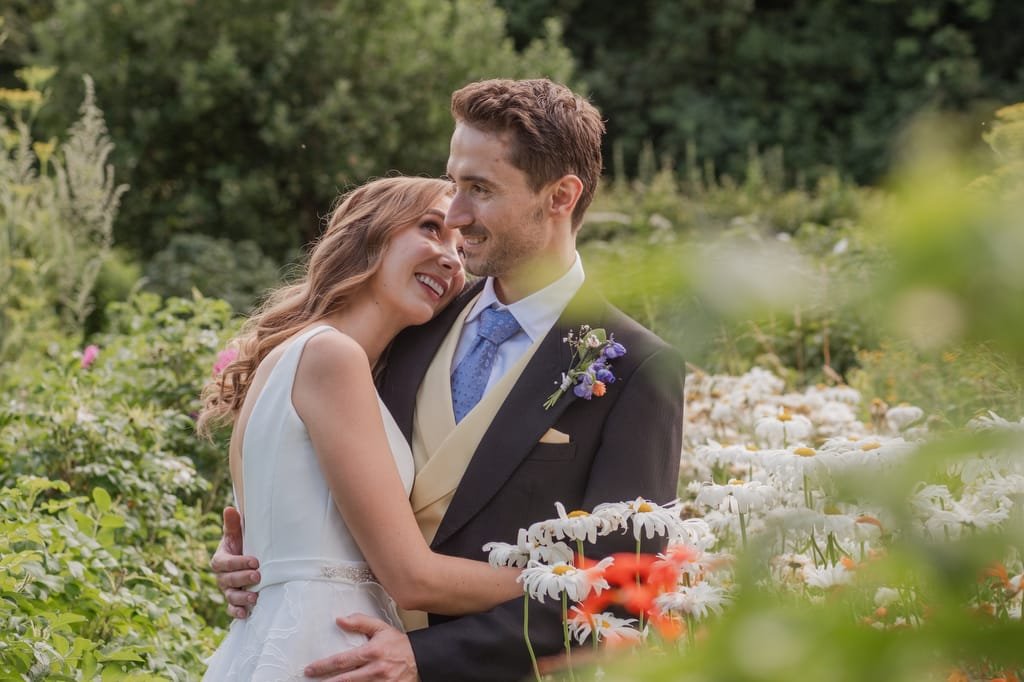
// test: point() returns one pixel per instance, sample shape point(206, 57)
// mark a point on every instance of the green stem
point(641, 620)
point(526, 634)
point(743, 529)
point(579, 553)
point(565, 631)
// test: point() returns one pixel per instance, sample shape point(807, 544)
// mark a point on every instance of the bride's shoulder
point(331, 352)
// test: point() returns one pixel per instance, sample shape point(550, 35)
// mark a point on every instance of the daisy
point(737, 496)
point(540, 580)
point(782, 429)
point(526, 550)
point(578, 525)
point(603, 626)
point(900, 417)
point(644, 514)
point(697, 601)
point(827, 577)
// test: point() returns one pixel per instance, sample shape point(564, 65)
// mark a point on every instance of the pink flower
point(224, 358)
point(89, 355)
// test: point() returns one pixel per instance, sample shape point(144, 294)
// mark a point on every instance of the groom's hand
point(387, 656)
point(233, 570)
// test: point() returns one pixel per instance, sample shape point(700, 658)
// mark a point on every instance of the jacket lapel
point(522, 419)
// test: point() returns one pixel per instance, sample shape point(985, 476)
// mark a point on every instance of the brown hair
point(344, 258)
point(555, 132)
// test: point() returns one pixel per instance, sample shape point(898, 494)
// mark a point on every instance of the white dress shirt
point(536, 315)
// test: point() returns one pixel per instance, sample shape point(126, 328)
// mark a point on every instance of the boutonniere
point(589, 376)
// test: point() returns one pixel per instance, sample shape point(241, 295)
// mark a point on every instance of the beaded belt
point(348, 573)
point(287, 570)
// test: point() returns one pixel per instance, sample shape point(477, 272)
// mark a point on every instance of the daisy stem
point(526, 634)
point(579, 552)
point(743, 529)
point(565, 631)
point(817, 553)
point(641, 620)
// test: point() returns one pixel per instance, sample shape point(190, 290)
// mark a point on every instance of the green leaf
point(102, 499)
point(59, 621)
point(120, 655)
point(111, 521)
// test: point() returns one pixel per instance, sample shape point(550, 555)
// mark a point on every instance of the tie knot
point(497, 326)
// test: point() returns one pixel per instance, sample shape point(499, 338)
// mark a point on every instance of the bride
point(321, 472)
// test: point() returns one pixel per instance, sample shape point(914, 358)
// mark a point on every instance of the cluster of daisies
point(776, 466)
point(669, 592)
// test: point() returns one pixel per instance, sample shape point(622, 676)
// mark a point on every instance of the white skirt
point(292, 625)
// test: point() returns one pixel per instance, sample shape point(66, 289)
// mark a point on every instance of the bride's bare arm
point(335, 397)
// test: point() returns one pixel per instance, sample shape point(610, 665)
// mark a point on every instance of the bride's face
point(422, 267)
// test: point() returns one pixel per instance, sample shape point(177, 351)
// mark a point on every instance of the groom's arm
point(638, 456)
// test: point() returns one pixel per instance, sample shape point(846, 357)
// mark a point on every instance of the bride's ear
point(564, 194)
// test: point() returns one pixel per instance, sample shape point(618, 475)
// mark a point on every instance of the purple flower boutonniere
point(592, 350)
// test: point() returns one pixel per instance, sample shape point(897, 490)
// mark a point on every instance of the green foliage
point(830, 81)
point(246, 124)
point(237, 272)
point(82, 598)
point(58, 202)
point(119, 583)
point(954, 385)
point(741, 274)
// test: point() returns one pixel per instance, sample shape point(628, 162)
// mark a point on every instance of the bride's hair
point(344, 258)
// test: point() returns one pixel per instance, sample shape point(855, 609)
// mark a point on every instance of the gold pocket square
point(554, 436)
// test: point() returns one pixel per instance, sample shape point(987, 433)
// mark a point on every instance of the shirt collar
point(538, 312)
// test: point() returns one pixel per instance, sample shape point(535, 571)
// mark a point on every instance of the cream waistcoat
point(440, 447)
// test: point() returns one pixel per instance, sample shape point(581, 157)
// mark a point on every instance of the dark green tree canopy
point(245, 119)
point(829, 81)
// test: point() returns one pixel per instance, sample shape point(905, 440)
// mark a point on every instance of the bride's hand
point(234, 571)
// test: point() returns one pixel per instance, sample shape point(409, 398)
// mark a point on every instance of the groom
point(490, 459)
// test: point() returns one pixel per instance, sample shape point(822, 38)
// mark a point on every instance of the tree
point(244, 120)
point(831, 82)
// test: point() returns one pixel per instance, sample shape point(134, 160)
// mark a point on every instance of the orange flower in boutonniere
point(592, 351)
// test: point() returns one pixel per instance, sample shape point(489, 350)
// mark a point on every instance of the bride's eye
point(432, 226)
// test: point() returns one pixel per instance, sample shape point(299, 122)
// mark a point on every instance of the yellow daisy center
point(805, 451)
point(577, 514)
point(735, 481)
point(562, 570)
point(644, 507)
point(867, 447)
point(784, 416)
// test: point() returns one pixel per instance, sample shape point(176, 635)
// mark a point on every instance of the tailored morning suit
point(609, 449)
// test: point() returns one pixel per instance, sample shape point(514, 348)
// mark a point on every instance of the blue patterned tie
point(470, 378)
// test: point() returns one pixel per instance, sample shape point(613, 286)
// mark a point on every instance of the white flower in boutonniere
point(592, 351)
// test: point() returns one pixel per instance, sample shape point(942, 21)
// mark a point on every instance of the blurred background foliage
point(768, 201)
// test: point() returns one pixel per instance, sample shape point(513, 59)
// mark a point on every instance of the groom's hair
point(554, 132)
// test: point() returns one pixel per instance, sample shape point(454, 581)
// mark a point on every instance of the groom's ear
point(564, 193)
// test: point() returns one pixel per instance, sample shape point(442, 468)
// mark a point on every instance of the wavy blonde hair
point(340, 263)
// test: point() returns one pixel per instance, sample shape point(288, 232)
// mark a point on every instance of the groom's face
point(502, 220)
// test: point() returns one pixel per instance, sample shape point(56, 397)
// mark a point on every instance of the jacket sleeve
point(638, 457)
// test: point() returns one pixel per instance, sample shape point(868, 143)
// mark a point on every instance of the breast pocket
point(552, 452)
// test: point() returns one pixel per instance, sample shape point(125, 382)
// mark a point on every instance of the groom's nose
point(460, 212)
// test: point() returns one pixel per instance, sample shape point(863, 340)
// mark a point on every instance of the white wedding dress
point(311, 569)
